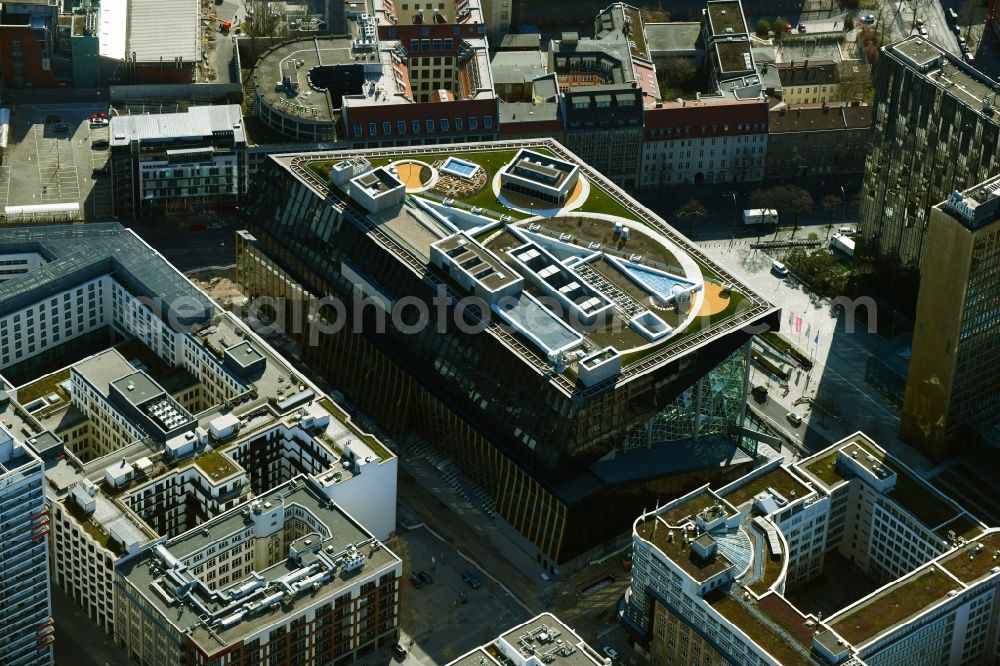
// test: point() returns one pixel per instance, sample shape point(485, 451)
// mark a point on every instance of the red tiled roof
point(730, 117)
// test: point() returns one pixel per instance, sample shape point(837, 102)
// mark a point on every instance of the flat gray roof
point(75, 253)
point(198, 121)
point(137, 387)
point(103, 369)
point(164, 30)
point(517, 66)
point(673, 38)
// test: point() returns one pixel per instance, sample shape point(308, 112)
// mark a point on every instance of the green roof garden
point(731, 56)
point(778, 478)
point(788, 653)
point(895, 604)
point(216, 465)
point(921, 500)
point(725, 15)
point(974, 560)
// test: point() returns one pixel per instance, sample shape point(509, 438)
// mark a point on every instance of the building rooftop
point(197, 121)
point(815, 117)
point(725, 17)
point(335, 550)
point(517, 66)
point(163, 31)
point(543, 638)
point(893, 604)
point(625, 269)
point(948, 72)
point(546, 636)
point(74, 253)
point(777, 479)
point(449, 12)
point(974, 559)
point(669, 39)
point(808, 72)
point(734, 56)
point(977, 206)
point(790, 647)
point(909, 491)
point(103, 369)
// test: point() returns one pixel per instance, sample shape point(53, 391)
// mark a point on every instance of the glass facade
point(512, 430)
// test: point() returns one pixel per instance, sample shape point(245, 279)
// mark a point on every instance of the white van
point(779, 268)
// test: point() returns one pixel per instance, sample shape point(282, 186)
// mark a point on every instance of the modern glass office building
point(569, 391)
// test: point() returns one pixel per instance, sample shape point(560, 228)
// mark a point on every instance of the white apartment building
point(129, 465)
point(709, 140)
point(25, 612)
point(710, 570)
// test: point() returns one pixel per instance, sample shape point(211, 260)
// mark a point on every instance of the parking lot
point(54, 160)
point(436, 626)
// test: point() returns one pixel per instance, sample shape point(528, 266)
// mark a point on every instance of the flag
point(816, 340)
point(791, 315)
point(798, 324)
point(808, 327)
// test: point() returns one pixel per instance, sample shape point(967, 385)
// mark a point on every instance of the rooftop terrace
point(671, 543)
point(584, 227)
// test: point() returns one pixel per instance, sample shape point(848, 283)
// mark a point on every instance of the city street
point(840, 350)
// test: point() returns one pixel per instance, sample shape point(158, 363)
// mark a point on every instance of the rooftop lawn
point(702, 500)
point(42, 387)
point(777, 478)
point(216, 465)
point(637, 34)
point(772, 569)
point(894, 605)
point(825, 469)
point(726, 15)
point(655, 532)
point(774, 644)
point(731, 55)
point(84, 521)
point(492, 161)
point(918, 498)
point(969, 567)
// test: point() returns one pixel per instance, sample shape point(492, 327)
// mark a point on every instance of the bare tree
point(831, 203)
point(262, 22)
point(691, 210)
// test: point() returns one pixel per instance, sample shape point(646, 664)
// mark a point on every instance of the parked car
point(99, 144)
point(794, 419)
point(471, 580)
point(922, 31)
point(399, 650)
point(969, 58)
point(449, 201)
point(477, 210)
point(961, 41)
point(198, 226)
point(868, 18)
point(951, 14)
point(61, 128)
point(847, 231)
point(759, 393)
point(101, 170)
point(463, 597)
point(788, 27)
point(956, 29)
point(415, 579)
point(779, 268)
point(610, 652)
point(802, 27)
point(425, 577)
point(215, 225)
point(52, 120)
